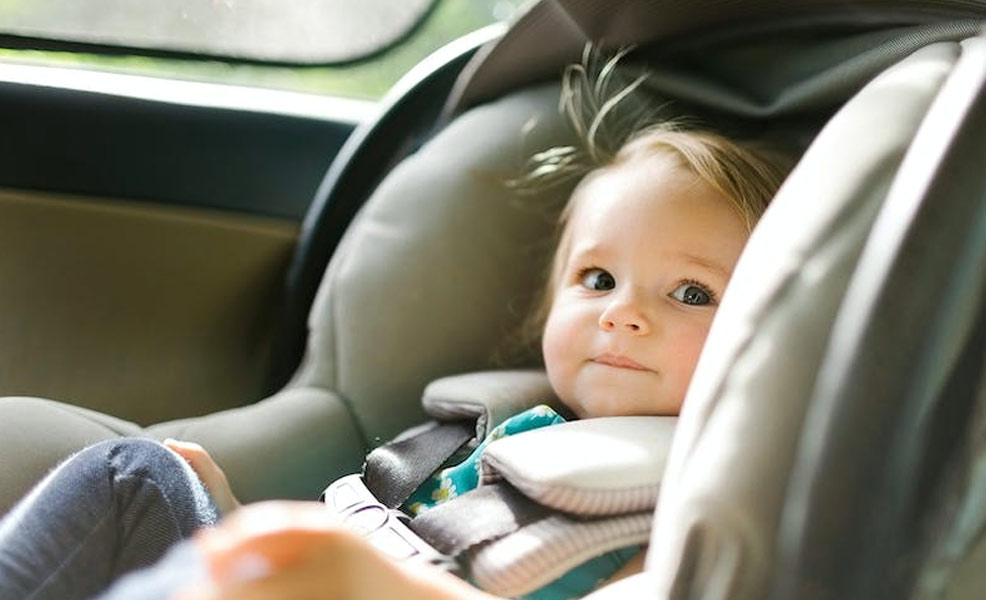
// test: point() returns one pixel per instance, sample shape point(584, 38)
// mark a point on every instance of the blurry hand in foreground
point(297, 551)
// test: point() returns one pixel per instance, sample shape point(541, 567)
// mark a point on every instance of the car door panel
point(146, 311)
point(144, 243)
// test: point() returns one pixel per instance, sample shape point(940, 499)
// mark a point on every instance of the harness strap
point(484, 514)
point(393, 471)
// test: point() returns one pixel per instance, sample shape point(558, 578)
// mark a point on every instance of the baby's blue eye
point(597, 279)
point(692, 294)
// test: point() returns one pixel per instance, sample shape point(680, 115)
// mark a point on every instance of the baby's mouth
point(619, 362)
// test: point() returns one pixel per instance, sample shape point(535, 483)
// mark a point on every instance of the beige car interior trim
point(142, 311)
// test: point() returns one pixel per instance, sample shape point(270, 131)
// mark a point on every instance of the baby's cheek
point(556, 347)
point(690, 347)
point(552, 351)
point(553, 340)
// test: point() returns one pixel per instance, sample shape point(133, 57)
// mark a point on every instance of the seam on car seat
point(332, 312)
point(72, 410)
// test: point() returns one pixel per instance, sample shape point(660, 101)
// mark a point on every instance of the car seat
point(416, 290)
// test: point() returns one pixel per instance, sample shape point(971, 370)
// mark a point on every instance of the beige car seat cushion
point(602, 466)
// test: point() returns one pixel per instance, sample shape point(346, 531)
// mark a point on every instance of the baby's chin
point(588, 407)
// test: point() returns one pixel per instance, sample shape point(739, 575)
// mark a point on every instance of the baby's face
point(652, 250)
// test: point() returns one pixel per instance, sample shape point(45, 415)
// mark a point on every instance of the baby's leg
point(181, 567)
point(112, 508)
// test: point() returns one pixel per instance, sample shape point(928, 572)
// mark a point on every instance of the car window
point(299, 31)
point(339, 47)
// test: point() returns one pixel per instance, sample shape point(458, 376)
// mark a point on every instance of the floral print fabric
point(456, 480)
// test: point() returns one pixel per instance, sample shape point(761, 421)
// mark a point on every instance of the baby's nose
point(625, 317)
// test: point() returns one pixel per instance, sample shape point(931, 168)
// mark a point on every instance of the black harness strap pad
point(487, 513)
point(393, 471)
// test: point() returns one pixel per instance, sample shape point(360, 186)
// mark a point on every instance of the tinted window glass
point(367, 78)
point(297, 31)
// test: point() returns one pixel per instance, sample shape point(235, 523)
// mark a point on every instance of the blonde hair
point(616, 130)
point(747, 181)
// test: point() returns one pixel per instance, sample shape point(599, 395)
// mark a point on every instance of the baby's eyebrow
point(585, 252)
point(706, 264)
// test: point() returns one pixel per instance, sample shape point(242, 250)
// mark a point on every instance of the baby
point(648, 246)
point(648, 241)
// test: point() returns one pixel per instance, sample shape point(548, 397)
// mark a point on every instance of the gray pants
point(109, 510)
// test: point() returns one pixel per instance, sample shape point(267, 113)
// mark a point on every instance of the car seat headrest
point(439, 265)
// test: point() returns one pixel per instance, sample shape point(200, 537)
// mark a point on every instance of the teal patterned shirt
point(449, 482)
